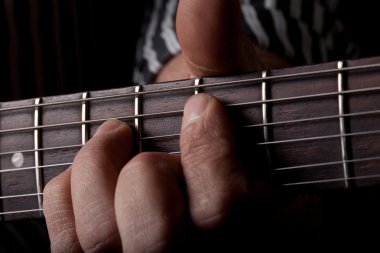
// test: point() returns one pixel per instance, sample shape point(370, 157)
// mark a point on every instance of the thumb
point(212, 39)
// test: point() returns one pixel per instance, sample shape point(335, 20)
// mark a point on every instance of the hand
point(214, 44)
point(110, 201)
point(151, 202)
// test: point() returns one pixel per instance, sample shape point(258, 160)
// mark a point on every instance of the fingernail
point(194, 108)
point(108, 126)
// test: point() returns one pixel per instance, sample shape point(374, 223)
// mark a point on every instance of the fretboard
point(317, 126)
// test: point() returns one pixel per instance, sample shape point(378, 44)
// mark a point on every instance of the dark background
point(50, 47)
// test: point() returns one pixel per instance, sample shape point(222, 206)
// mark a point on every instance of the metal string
point(169, 113)
point(234, 105)
point(285, 184)
point(158, 137)
point(202, 86)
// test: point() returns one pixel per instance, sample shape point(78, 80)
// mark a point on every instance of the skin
point(110, 201)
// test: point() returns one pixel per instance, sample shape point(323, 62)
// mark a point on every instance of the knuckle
point(210, 147)
point(212, 210)
point(64, 240)
point(209, 220)
point(55, 187)
point(145, 159)
point(100, 242)
point(141, 165)
point(191, 143)
point(206, 137)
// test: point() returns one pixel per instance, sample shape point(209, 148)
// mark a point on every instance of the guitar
point(316, 125)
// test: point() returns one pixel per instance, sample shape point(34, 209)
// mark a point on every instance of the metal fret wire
point(264, 107)
point(37, 156)
point(197, 82)
point(201, 86)
point(138, 123)
point(265, 114)
point(278, 169)
point(84, 128)
point(342, 126)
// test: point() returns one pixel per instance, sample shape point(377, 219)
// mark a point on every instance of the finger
point(59, 214)
point(212, 39)
point(215, 179)
point(93, 181)
point(150, 206)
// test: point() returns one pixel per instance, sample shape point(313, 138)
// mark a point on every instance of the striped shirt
point(304, 32)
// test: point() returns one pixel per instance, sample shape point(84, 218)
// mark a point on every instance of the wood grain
point(156, 100)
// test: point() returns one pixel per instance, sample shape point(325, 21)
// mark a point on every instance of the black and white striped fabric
point(304, 32)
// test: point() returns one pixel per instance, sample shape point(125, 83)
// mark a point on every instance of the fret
point(342, 126)
point(68, 137)
point(197, 82)
point(138, 112)
point(84, 117)
point(13, 159)
point(305, 142)
point(264, 108)
point(298, 109)
point(37, 155)
point(167, 123)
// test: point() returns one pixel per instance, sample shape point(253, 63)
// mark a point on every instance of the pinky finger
point(59, 214)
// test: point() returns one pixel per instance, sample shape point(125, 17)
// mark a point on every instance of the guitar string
point(278, 169)
point(318, 181)
point(176, 112)
point(284, 141)
point(320, 137)
point(304, 166)
point(278, 123)
point(332, 180)
point(311, 182)
point(202, 86)
point(20, 212)
point(263, 143)
point(158, 137)
point(374, 158)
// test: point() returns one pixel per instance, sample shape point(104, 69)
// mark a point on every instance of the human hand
point(107, 201)
point(213, 43)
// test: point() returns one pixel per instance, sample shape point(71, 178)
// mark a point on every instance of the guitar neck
point(316, 125)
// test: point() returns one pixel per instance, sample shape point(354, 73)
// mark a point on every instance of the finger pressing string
point(215, 179)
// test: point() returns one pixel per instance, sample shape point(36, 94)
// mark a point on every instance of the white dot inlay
point(17, 160)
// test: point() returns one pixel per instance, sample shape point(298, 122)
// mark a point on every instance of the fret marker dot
point(17, 160)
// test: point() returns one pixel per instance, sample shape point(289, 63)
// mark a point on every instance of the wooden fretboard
point(317, 126)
